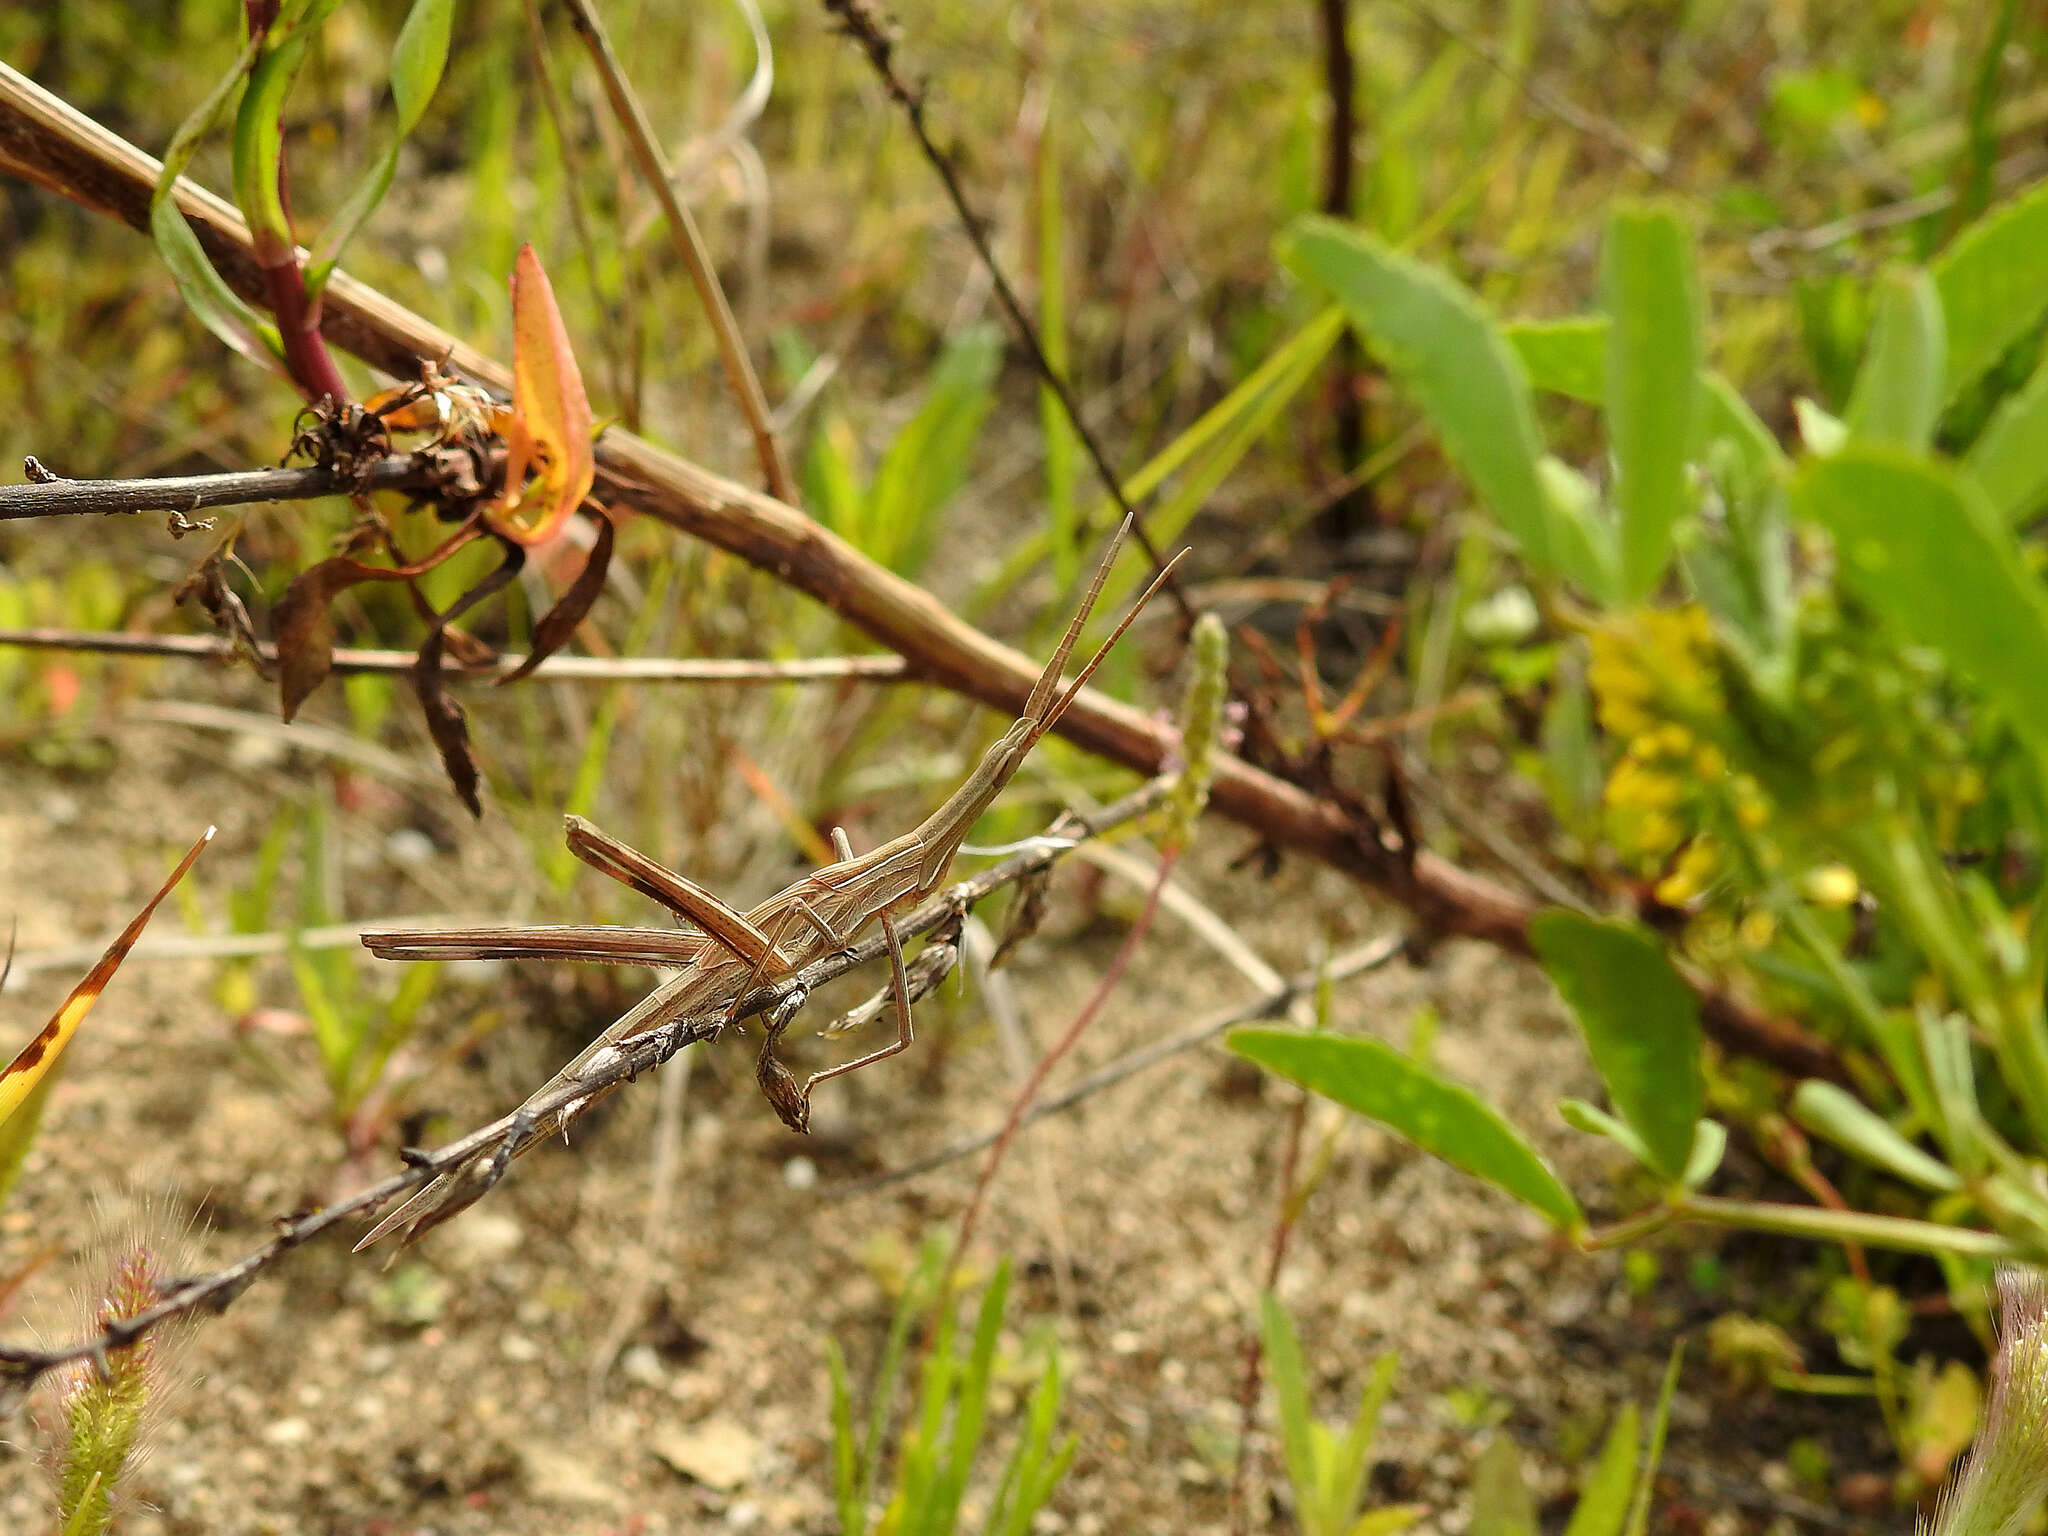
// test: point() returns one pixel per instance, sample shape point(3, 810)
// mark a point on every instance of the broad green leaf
point(1566, 357)
point(1603, 1504)
point(1924, 547)
point(216, 305)
point(2010, 457)
point(1845, 1120)
point(1449, 354)
point(1649, 286)
point(417, 60)
point(1441, 1117)
point(1641, 1023)
point(1994, 285)
point(1898, 390)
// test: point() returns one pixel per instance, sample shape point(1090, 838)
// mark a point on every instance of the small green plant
point(1614, 1494)
point(104, 1410)
point(1327, 1465)
point(922, 1488)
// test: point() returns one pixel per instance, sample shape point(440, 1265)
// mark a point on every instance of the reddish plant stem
point(1086, 1016)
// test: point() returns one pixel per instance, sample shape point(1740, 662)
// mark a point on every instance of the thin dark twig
point(22, 1365)
point(857, 18)
point(1264, 1006)
point(425, 473)
point(581, 669)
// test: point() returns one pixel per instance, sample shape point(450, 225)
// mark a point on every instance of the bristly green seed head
point(2007, 1476)
point(1201, 730)
point(103, 1411)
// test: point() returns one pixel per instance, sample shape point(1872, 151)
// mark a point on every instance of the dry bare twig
point(50, 143)
point(22, 1365)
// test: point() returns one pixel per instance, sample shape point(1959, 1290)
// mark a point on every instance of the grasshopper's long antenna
point(1046, 689)
point(1102, 651)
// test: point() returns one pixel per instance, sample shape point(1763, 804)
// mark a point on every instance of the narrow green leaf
point(1289, 1375)
point(259, 145)
point(1603, 1504)
point(1709, 1146)
point(1354, 1455)
point(417, 60)
point(1994, 286)
point(209, 298)
point(1926, 549)
point(18, 1131)
point(1898, 390)
point(1838, 1116)
point(1502, 1504)
point(1594, 1121)
point(2010, 457)
point(1641, 1024)
point(1585, 546)
point(1062, 506)
point(927, 462)
point(1443, 1118)
point(1653, 1453)
point(1447, 352)
point(1649, 287)
point(848, 1492)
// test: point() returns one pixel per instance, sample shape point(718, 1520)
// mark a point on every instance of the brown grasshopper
point(730, 954)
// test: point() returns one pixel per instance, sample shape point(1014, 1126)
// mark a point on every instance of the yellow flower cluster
point(1650, 665)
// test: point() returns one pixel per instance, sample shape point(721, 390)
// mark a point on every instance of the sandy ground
point(453, 1393)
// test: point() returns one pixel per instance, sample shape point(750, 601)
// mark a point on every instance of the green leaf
point(1660, 1425)
point(1565, 357)
point(1650, 288)
point(1449, 354)
point(1443, 1118)
point(1924, 547)
point(1062, 505)
point(1604, 1501)
point(1289, 1375)
point(1585, 546)
point(1838, 1116)
point(925, 466)
point(209, 298)
point(848, 1490)
point(1594, 1121)
point(1641, 1024)
point(417, 60)
point(1994, 284)
point(1709, 1146)
point(2010, 456)
point(1898, 391)
point(18, 1130)
point(1502, 1504)
point(259, 146)
point(1354, 1455)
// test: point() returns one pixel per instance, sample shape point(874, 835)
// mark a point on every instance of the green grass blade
point(1604, 1500)
point(1897, 398)
point(849, 1488)
point(1649, 284)
point(1062, 506)
point(924, 468)
point(1641, 1024)
point(971, 1412)
point(1994, 286)
point(1288, 1372)
point(1449, 355)
point(259, 144)
point(18, 1131)
point(1660, 1425)
point(1441, 1117)
point(1354, 1453)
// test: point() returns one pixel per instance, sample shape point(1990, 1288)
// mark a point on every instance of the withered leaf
point(305, 630)
point(560, 621)
point(446, 722)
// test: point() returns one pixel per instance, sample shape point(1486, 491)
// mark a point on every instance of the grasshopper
point(729, 954)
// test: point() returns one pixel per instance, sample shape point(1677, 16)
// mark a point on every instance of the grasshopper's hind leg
point(899, 986)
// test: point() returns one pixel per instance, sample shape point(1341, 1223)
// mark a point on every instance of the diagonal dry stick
point(49, 142)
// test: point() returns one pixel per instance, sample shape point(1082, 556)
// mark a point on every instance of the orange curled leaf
point(549, 435)
point(22, 1075)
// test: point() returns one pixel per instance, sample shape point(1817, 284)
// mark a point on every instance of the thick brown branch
point(44, 139)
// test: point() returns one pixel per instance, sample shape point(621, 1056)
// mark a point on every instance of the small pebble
point(408, 847)
point(800, 1173)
